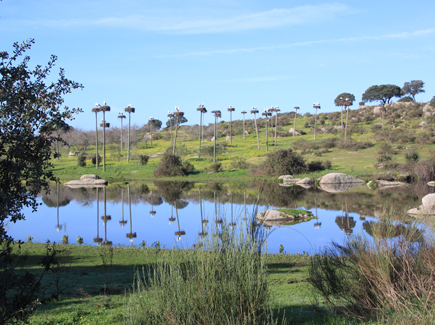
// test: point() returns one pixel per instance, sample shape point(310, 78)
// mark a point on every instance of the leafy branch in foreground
point(28, 103)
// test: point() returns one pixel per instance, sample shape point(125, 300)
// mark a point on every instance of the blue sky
point(165, 53)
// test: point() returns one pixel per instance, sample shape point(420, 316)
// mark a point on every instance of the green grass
point(84, 277)
point(351, 162)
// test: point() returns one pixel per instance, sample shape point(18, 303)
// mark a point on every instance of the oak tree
point(413, 88)
point(28, 104)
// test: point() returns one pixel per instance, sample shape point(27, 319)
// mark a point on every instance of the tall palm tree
point(255, 111)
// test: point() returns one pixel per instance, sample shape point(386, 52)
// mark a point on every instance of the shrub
point(282, 162)
point(143, 159)
point(326, 164)
point(239, 163)
point(412, 156)
point(207, 151)
point(215, 168)
point(386, 277)
point(188, 167)
point(385, 148)
point(94, 159)
point(315, 166)
point(432, 102)
point(424, 138)
point(384, 157)
point(81, 159)
point(424, 170)
point(171, 165)
point(224, 281)
point(350, 144)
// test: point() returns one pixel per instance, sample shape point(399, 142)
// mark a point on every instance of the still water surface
point(174, 213)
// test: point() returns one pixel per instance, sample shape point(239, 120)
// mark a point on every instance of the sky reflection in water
point(77, 213)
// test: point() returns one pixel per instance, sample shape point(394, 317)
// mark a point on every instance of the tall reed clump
point(222, 281)
point(389, 279)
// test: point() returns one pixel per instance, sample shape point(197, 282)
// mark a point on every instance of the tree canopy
point(351, 98)
point(29, 104)
point(382, 93)
point(413, 88)
point(172, 121)
point(156, 124)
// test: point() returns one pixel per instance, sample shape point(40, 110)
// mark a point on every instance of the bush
point(389, 277)
point(315, 166)
point(223, 281)
point(94, 159)
point(171, 165)
point(281, 162)
point(143, 159)
point(81, 159)
point(215, 168)
point(207, 151)
point(412, 157)
point(384, 157)
point(239, 163)
point(326, 164)
point(424, 170)
point(432, 102)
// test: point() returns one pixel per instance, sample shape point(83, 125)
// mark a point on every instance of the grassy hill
point(406, 127)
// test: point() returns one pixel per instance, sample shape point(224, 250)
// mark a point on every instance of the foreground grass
point(87, 271)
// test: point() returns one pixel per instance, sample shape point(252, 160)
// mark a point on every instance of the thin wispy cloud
point(404, 35)
point(257, 79)
point(170, 22)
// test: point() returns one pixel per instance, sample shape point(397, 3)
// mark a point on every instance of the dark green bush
point(384, 157)
point(281, 162)
point(315, 166)
point(239, 163)
point(81, 159)
point(412, 157)
point(326, 164)
point(171, 165)
point(432, 102)
point(215, 168)
point(94, 159)
point(143, 159)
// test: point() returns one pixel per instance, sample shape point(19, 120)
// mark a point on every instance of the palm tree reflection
point(122, 222)
point(97, 239)
point(131, 234)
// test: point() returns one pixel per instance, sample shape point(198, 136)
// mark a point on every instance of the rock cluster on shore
point(88, 180)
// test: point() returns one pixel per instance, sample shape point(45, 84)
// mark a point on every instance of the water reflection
point(105, 219)
point(345, 223)
point(97, 239)
point(131, 234)
point(123, 222)
point(198, 207)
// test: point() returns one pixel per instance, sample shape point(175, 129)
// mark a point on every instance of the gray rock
point(427, 207)
point(274, 217)
point(285, 177)
point(291, 131)
point(338, 178)
point(422, 124)
point(88, 180)
point(428, 201)
point(339, 187)
point(306, 181)
point(89, 176)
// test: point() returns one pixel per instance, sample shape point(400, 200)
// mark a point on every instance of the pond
point(181, 213)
